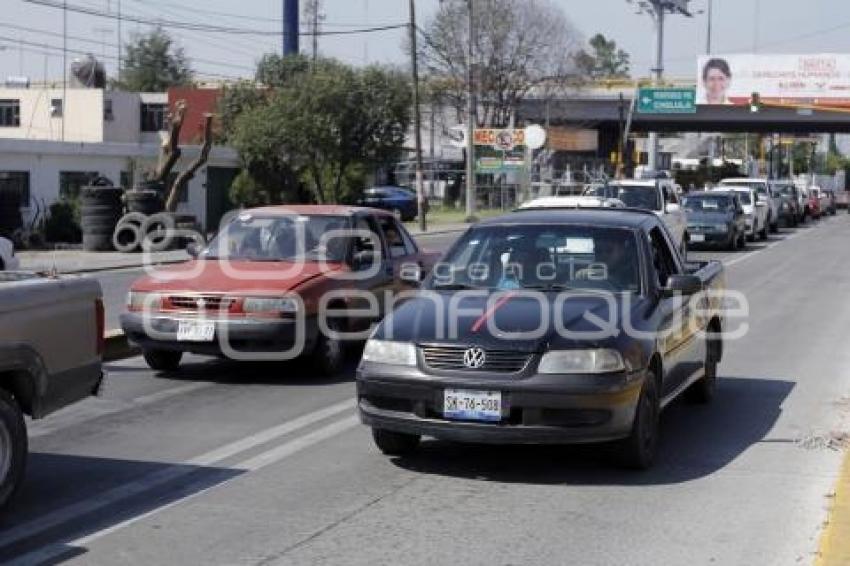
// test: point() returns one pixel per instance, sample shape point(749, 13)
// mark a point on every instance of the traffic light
point(755, 102)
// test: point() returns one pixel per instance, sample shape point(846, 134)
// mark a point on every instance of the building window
point(12, 182)
point(70, 182)
point(153, 117)
point(10, 113)
point(56, 107)
point(107, 110)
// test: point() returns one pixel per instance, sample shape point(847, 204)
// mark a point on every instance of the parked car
point(763, 190)
point(657, 195)
point(829, 204)
point(573, 202)
point(398, 200)
point(558, 379)
point(715, 218)
point(790, 212)
point(266, 273)
point(51, 345)
point(814, 203)
point(755, 211)
point(8, 261)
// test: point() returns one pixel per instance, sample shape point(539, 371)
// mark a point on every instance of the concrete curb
point(117, 347)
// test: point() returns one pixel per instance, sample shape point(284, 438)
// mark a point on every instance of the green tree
point(604, 61)
point(325, 127)
point(152, 63)
point(275, 71)
point(234, 101)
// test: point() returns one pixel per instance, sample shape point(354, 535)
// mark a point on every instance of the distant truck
point(51, 347)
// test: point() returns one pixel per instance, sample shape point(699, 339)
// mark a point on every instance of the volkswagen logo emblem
point(474, 358)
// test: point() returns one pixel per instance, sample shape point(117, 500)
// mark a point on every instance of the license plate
point(195, 331)
point(697, 237)
point(472, 405)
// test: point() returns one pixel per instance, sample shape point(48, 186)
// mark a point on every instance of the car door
point(374, 277)
point(677, 337)
point(674, 216)
point(403, 253)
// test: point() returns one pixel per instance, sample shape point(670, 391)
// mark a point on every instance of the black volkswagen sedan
point(546, 326)
point(715, 218)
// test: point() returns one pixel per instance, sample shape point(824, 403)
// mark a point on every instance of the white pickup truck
point(51, 347)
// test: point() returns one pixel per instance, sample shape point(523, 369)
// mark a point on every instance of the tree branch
point(170, 150)
point(187, 175)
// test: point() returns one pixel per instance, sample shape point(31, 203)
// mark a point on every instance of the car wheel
point(732, 245)
point(763, 233)
point(13, 447)
point(162, 360)
point(328, 354)
point(774, 227)
point(393, 443)
point(638, 450)
point(703, 390)
point(742, 241)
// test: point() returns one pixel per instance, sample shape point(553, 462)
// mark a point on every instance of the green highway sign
point(667, 101)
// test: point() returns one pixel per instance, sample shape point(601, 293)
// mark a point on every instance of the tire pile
point(100, 209)
point(146, 227)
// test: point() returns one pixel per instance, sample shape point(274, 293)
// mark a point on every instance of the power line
point(113, 57)
point(200, 27)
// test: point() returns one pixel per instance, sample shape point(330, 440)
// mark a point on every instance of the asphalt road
point(115, 284)
point(227, 463)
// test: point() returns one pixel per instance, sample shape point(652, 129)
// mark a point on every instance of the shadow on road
point(696, 441)
point(110, 490)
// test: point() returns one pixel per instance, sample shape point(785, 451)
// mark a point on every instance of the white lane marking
point(753, 253)
point(172, 472)
point(97, 408)
point(272, 456)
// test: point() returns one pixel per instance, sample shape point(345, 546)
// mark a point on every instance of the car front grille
point(451, 358)
point(199, 302)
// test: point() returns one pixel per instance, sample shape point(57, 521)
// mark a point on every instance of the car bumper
point(538, 409)
point(232, 336)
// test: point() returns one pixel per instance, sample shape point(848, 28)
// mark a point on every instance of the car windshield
point(789, 191)
point(543, 257)
point(745, 197)
point(633, 196)
point(291, 237)
point(708, 203)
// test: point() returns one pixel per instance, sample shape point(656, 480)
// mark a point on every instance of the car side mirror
point(682, 285)
point(671, 208)
point(364, 259)
point(411, 273)
point(193, 249)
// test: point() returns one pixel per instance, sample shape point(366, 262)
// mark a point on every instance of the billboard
point(499, 150)
point(818, 79)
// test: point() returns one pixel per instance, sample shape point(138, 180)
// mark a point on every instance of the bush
point(63, 223)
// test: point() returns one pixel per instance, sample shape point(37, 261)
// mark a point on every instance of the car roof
point(743, 180)
point(640, 182)
point(316, 210)
point(736, 188)
point(708, 193)
point(606, 217)
point(585, 201)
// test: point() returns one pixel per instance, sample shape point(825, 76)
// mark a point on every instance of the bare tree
point(518, 47)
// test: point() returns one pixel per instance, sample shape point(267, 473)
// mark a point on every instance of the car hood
point(708, 217)
point(214, 276)
point(521, 322)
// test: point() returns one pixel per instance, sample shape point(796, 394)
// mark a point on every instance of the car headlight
point(269, 305)
point(581, 361)
point(387, 352)
point(137, 300)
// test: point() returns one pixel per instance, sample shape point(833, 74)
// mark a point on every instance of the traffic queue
point(489, 344)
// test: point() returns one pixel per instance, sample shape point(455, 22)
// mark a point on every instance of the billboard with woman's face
point(817, 79)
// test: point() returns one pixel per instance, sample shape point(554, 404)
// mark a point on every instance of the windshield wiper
point(550, 287)
point(456, 287)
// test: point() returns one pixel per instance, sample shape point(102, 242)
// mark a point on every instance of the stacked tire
point(145, 199)
point(101, 208)
point(156, 233)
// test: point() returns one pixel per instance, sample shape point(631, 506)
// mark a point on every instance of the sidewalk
point(79, 261)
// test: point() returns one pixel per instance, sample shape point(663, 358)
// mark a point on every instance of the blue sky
point(786, 26)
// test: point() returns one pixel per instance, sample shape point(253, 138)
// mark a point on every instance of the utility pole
point(64, 65)
point(470, 116)
point(290, 27)
point(417, 119)
point(708, 34)
point(119, 40)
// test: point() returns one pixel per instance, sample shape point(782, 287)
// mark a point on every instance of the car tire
point(13, 447)
point(637, 452)
point(158, 232)
point(163, 360)
point(702, 391)
point(126, 238)
point(733, 243)
point(763, 233)
point(392, 443)
point(742, 241)
point(774, 227)
point(328, 355)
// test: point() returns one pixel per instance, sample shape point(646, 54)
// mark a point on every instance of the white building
point(52, 144)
